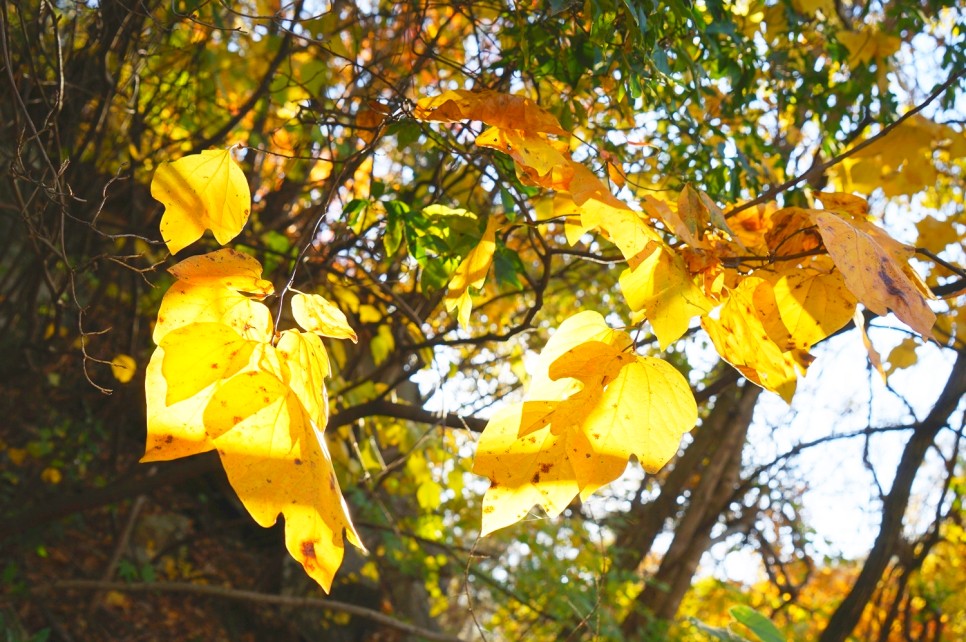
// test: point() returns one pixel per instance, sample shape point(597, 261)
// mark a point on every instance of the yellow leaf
point(315, 313)
point(936, 235)
point(583, 327)
point(903, 355)
point(177, 430)
point(790, 231)
point(51, 475)
point(813, 302)
point(868, 45)
point(842, 202)
point(535, 156)
point(212, 288)
point(697, 215)
point(624, 227)
point(644, 407)
point(277, 461)
point(740, 338)
point(827, 7)
point(874, 358)
point(522, 472)
point(591, 405)
point(225, 268)
point(662, 287)
point(263, 409)
point(199, 192)
point(123, 367)
point(471, 273)
point(305, 365)
point(199, 355)
point(874, 270)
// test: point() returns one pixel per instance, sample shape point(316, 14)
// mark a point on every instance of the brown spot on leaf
point(545, 468)
point(298, 462)
point(890, 284)
point(308, 550)
point(168, 439)
point(535, 479)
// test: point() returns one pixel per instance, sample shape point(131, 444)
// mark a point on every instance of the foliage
point(546, 230)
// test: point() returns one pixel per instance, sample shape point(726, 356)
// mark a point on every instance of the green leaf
point(761, 626)
point(353, 208)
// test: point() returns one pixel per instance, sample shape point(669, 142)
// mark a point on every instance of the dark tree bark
point(715, 458)
point(847, 615)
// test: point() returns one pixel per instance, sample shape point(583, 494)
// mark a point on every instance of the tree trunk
point(849, 612)
point(719, 465)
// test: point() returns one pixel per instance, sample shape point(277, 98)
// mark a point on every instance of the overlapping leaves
point(592, 404)
point(766, 286)
point(221, 379)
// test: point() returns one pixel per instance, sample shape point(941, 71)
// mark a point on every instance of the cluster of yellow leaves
point(591, 405)
point(222, 379)
point(901, 161)
point(767, 285)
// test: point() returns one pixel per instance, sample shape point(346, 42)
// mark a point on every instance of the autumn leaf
point(664, 290)
point(536, 157)
point(903, 355)
point(868, 45)
point(219, 287)
point(740, 337)
point(201, 354)
point(813, 302)
point(123, 367)
point(471, 273)
point(614, 405)
point(277, 461)
point(315, 313)
point(874, 271)
point(176, 430)
point(199, 192)
point(505, 111)
point(623, 226)
point(220, 379)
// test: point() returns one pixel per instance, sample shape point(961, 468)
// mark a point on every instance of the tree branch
point(775, 191)
point(847, 615)
point(251, 596)
point(381, 407)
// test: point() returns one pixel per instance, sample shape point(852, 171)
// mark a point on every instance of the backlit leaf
point(219, 287)
point(590, 407)
point(315, 313)
point(505, 111)
point(662, 287)
point(741, 339)
point(873, 272)
point(277, 461)
point(123, 367)
point(219, 381)
point(471, 273)
point(199, 192)
point(813, 302)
